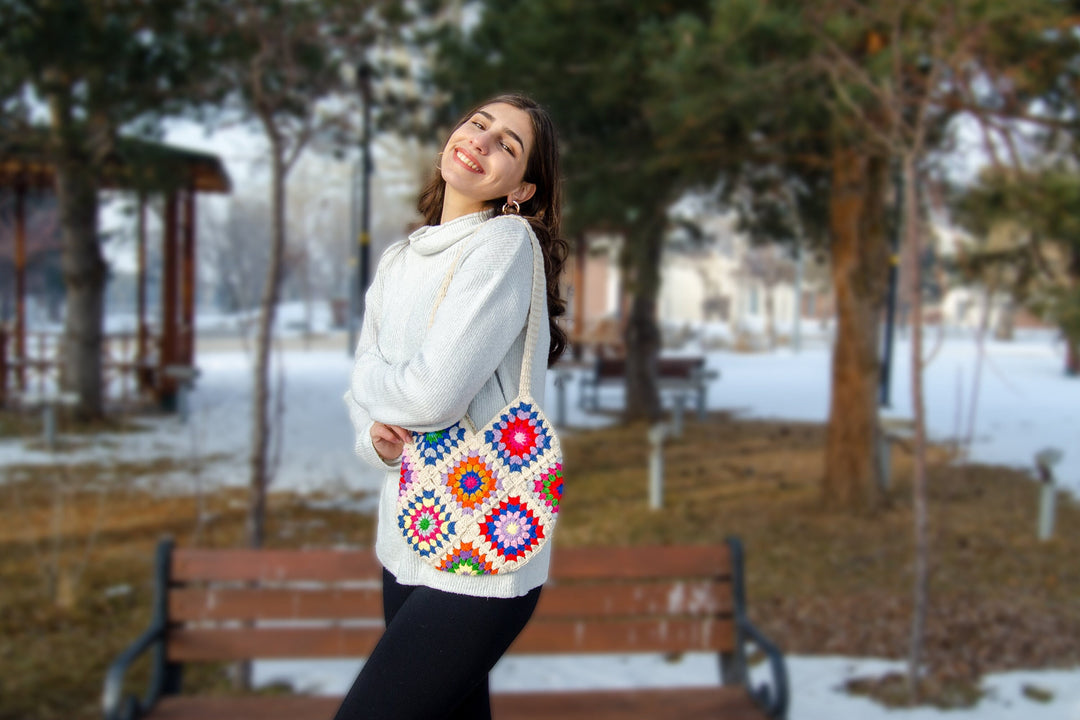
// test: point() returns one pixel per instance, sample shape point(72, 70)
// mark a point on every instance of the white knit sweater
point(469, 359)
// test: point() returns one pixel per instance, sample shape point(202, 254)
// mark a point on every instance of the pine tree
point(588, 64)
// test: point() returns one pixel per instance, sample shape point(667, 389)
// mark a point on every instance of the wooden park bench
point(227, 605)
point(680, 374)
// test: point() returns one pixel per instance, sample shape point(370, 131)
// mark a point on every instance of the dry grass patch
point(76, 554)
point(828, 583)
point(819, 581)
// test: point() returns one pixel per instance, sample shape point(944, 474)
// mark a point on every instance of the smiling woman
point(458, 332)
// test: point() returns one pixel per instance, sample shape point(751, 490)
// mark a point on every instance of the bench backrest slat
point(667, 367)
point(224, 644)
point(627, 563)
point(626, 636)
point(663, 599)
point(344, 565)
point(274, 565)
point(188, 604)
point(235, 604)
point(666, 598)
point(221, 644)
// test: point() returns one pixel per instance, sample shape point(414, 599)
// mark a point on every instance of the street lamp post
point(364, 75)
point(353, 310)
point(361, 254)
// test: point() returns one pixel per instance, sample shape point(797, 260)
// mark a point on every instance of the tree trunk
point(770, 316)
point(260, 425)
point(642, 332)
point(859, 264)
point(85, 273)
point(1072, 333)
point(1006, 321)
point(913, 245)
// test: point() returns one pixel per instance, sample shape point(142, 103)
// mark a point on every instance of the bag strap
point(536, 304)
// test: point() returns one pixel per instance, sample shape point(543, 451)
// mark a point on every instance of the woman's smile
point(468, 161)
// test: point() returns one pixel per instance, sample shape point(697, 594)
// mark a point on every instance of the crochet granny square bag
point(484, 501)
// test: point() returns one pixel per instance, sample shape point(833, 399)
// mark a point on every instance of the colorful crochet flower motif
point(470, 482)
point(425, 522)
point(406, 477)
point(519, 436)
point(512, 529)
point(549, 487)
point(466, 560)
point(434, 446)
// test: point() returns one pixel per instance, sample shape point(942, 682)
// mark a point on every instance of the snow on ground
point(816, 684)
point(1024, 404)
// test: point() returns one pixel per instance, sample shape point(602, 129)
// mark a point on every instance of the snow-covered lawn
point(816, 684)
point(1024, 405)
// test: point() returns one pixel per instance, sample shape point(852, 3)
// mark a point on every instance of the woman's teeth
point(465, 159)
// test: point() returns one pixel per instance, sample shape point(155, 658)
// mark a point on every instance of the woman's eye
point(507, 148)
point(478, 124)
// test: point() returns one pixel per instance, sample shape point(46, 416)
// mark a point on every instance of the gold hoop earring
point(506, 208)
point(438, 161)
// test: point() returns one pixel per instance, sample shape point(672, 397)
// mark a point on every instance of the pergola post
point(142, 337)
point(187, 281)
point(20, 283)
point(579, 296)
point(169, 295)
point(148, 168)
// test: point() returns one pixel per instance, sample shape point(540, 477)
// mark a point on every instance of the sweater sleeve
point(358, 414)
point(483, 312)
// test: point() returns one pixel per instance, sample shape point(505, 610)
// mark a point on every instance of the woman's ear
point(523, 193)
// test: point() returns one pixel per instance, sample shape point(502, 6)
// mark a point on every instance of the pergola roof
point(134, 164)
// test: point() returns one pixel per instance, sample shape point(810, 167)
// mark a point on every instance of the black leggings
point(434, 658)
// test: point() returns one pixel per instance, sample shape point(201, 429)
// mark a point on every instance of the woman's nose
point(481, 141)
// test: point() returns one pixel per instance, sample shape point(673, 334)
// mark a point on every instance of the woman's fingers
point(401, 433)
point(389, 439)
point(387, 443)
point(391, 432)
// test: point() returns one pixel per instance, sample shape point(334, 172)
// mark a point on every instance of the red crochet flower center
point(519, 436)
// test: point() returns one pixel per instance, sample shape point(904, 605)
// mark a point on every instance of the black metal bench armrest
point(773, 697)
point(117, 706)
point(114, 704)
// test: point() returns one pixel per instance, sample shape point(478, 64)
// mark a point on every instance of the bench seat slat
point(279, 707)
point(700, 598)
point(728, 703)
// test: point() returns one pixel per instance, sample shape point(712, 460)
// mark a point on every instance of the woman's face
point(485, 158)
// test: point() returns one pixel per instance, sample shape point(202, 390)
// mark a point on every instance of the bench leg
point(677, 414)
point(733, 669)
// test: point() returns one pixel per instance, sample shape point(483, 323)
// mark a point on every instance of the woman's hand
point(389, 440)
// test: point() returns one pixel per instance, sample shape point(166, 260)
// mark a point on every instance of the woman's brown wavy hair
point(543, 210)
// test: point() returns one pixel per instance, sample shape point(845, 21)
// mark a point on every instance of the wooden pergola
point(158, 363)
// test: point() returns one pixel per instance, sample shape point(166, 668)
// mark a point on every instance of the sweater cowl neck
point(432, 239)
